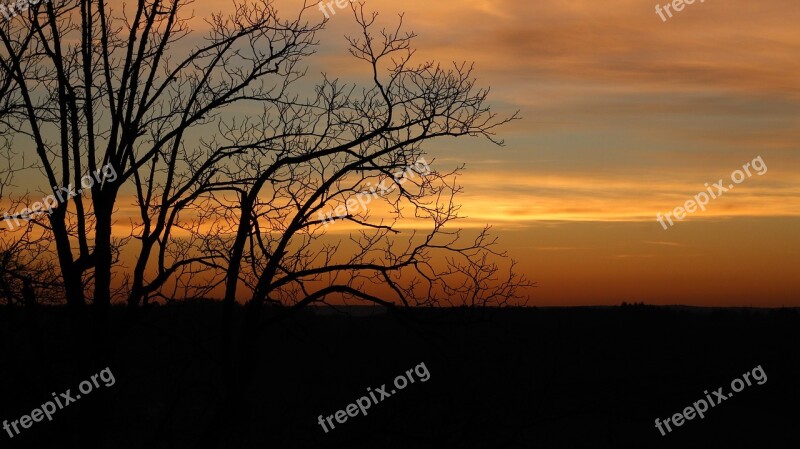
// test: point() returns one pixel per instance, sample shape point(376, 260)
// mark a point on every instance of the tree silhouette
point(92, 86)
point(231, 155)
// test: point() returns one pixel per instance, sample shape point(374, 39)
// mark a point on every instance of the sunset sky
point(623, 117)
point(626, 116)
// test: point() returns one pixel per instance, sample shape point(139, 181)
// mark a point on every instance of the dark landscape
point(499, 378)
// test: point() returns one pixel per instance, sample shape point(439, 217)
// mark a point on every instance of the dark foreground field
point(534, 378)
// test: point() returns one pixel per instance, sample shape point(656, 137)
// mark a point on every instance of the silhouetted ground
point(512, 378)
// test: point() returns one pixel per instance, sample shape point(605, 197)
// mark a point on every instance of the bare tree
point(317, 154)
point(231, 160)
point(111, 89)
point(109, 86)
point(26, 265)
point(321, 154)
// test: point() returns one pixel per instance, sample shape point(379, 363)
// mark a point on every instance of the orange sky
point(624, 116)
